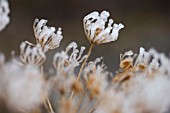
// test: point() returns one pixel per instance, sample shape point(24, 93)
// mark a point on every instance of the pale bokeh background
point(147, 24)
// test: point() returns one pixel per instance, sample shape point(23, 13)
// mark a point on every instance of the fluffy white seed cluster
point(4, 11)
point(46, 36)
point(98, 31)
point(21, 87)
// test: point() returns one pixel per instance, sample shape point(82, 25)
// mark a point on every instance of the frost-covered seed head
point(4, 11)
point(95, 77)
point(96, 29)
point(23, 87)
point(67, 60)
point(47, 37)
point(30, 54)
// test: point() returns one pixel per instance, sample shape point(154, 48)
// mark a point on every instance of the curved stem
point(82, 66)
point(84, 62)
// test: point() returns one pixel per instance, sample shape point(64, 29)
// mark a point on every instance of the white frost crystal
point(97, 29)
point(4, 11)
point(46, 36)
point(30, 54)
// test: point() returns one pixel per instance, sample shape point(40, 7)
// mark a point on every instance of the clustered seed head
point(98, 31)
point(21, 87)
point(65, 62)
point(47, 37)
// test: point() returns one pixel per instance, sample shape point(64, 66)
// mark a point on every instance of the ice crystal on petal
point(96, 29)
point(30, 54)
point(4, 11)
point(46, 36)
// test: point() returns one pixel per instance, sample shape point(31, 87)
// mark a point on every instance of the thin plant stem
point(82, 66)
point(50, 109)
point(47, 101)
point(93, 109)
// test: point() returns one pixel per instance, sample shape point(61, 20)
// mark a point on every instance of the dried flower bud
point(96, 29)
point(4, 11)
point(126, 63)
point(46, 36)
point(30, 54)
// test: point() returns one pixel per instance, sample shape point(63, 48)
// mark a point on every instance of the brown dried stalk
point(82, 66)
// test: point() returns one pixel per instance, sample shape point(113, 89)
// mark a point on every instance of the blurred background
point(147, 24)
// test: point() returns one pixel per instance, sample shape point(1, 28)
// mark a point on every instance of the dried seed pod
point(47, 37)
point(96, 29)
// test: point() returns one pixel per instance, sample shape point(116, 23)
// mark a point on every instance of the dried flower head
point(96, 78)
point(30, 54)
point(46, 36)
point(23, 86)
point(64, 62)
point(4, 11)
point(98, 31)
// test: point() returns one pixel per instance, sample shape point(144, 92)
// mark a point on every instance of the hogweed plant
point(141, 85)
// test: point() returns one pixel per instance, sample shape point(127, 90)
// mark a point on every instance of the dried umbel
point(98, 31)
point(4, 11)
point(31, 54)
point(47, 37)
point(95, 77)
point(65, 62)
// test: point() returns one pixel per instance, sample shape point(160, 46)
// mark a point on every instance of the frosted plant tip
point(47, 37)
point(99, 29)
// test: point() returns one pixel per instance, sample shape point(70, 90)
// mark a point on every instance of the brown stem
point(84, 62)
point(50, 109)
point(47, 101)
point(82, 66)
